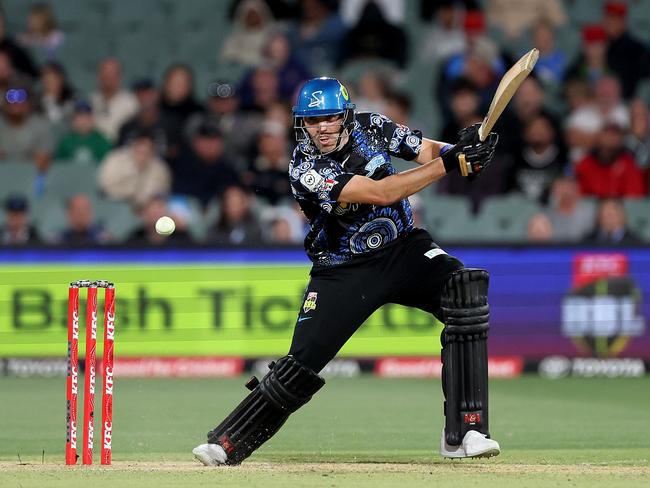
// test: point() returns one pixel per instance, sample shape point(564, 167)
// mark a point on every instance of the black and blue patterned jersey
point(341, 232)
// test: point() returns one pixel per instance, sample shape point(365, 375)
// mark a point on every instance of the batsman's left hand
point(471, 155)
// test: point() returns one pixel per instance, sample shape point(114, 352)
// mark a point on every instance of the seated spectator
point(149, 118)
point(111, 104)
point(149, 212)
point(280, 232)
point(317, 36)
point(84, 144)
point(239, 129)
point(134, 173)
point(57, 98)
point(465, 105)
point(514, 17)
point(552, 62)
point(571, 216)
point(367, 39)
point(17, 230)
point(82, 228)
point(290, 70)
point(23, 134)
point(626, 55)
point(260, 89)
point(372, 93)
point(541, 159)
point(268, 174)
point(610, 171)
point(394, 11)
point(177, 100)
point(611, 225)
point(637, 140)
point(540, 229)
point(251, 27)
point(584, 124)
point(445, 37)
point(283, 225)
point(201, 170)
point(42, 35)
point(9, 76)
point(19, 58)
point(237, 224)
point(591, 65)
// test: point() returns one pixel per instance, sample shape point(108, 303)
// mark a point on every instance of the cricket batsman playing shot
point(367, 253)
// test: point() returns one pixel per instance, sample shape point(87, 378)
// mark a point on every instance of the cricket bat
point(506, 89)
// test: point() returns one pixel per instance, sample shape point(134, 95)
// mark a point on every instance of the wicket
point(91, 366)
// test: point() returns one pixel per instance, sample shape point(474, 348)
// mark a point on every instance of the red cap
point(474, 21)
point(593, 33)
point(618, 9)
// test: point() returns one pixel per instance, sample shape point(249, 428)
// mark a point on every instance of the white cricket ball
point(165, 226)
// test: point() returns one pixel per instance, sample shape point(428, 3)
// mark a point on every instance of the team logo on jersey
point(311, 180)
point(310, 302)
point(317, 99)
point(375, 163)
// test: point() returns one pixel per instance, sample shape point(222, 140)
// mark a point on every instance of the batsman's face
point(324, 131)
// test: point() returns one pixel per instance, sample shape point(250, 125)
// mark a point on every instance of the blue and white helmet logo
point(317, 99)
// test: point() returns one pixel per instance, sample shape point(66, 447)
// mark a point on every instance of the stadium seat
point(117, 217)
point(49, 218)
point(17, 177)
point(65, 179)
point(448, 217)
point(505, 218)
point(638, 216)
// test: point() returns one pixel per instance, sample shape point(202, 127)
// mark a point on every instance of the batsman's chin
point(210, 454)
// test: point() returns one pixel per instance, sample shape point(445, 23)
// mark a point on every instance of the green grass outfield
point(356, 432)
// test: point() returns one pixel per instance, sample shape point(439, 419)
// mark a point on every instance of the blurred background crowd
point(116, 113)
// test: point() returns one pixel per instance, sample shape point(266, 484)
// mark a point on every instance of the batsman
point(366, 252)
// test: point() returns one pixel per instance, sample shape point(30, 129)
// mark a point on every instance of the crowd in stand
point(576, 139)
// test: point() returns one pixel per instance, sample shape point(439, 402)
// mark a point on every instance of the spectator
point(465, 105)
point(20, 59)
point(149, 212)
point(445, 38)
point(280, 232)
point(610, 171)
point(290, 70)
point(611, 225)
point(16, 229)
point(283, 225)
point(268, 174)
point(399, 108)
point(177, 100)
point(393, 11)
point(201, 170)
point(367, 39)
point(317, 37)
point(552, 62)
point(237, 224)
point(373, 92)
point(149, 118)
point(638, 139)
point(626, 55)
point(584, 124)
point(239, 129)
point(82, 228)
point(514, 17)
point(24, 135)
point(84, 144)
point(251, 28)
point(57, 98)
point(260, 89)
point(541, 159)
point(42, 35)
point(9, 76)
point(134, 173)
point(540, 229)
point(591, 64)
point(111, 104)
point(571, 216)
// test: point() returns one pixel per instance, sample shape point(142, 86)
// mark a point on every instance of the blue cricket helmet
point(322, 96)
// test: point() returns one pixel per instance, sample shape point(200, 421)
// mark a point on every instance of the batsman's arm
point(429, 150)
point(361, 189)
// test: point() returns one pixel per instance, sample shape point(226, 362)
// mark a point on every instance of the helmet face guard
point(322, 97)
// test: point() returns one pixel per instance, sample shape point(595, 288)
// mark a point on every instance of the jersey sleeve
point(317, 181)
point(403, 142)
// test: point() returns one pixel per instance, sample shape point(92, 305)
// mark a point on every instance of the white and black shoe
point(210, 454)
point(474, 445)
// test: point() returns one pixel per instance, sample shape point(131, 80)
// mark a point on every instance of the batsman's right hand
point(470, 155)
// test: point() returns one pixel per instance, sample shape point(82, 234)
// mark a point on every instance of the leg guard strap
point(464, 353)
point(285, 388)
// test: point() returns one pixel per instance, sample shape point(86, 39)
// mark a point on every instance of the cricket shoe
point(210, 454)
point(474, 445)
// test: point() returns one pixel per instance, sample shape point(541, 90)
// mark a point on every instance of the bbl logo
point(603, 309)
point(310, 302)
